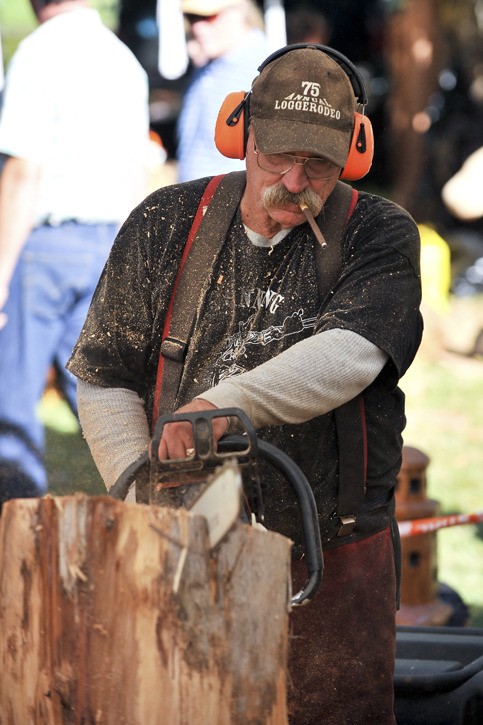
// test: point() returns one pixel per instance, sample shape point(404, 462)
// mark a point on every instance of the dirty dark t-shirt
point(262, 301)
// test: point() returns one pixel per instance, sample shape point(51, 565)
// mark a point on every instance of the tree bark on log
point(119, 613)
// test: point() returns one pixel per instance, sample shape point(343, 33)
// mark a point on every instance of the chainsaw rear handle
point(204, 447)
point(205, 456)
point(303, 491)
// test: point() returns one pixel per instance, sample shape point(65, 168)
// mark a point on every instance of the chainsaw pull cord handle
point(303, 491)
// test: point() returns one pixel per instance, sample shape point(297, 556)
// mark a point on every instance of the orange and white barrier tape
point(426, 526)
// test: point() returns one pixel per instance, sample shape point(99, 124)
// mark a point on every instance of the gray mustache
point(278, 195)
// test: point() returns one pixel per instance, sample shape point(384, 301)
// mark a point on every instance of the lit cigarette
point(315, 228)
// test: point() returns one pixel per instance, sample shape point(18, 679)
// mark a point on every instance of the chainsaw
point(222, 483)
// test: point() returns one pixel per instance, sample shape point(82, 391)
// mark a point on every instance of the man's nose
point(296, 180)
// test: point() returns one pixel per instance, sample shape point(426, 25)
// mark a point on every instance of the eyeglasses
point(280, 164)
point(191, 18)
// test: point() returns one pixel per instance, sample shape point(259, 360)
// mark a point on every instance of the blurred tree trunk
point(414, 58)
point(118, 613)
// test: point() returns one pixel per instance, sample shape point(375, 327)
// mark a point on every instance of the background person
point(461, 193)
point(462, 196)
point(226, 43)
point(307, 24)
point(327, 349)
point(74, 134)
point(463, 199)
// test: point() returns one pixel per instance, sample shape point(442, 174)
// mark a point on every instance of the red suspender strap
point(203, 205)
point(354, 198)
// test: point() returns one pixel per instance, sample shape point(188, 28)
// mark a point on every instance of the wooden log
point(119, 613)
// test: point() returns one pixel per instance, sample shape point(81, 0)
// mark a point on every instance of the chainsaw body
point(177, 483)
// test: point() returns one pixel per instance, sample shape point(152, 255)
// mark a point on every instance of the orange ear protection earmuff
point(231, 129)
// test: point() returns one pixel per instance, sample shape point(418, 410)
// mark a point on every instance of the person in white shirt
point(226, 43)
point(74, 132)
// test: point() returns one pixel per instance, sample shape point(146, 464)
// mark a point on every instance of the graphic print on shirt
point(230, 361)
point(263, 301)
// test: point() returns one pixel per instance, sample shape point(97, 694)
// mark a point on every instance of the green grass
point(68, 460)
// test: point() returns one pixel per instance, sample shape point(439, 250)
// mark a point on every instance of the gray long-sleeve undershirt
point(309, 379)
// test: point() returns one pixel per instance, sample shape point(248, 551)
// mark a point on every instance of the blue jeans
point(50, 294)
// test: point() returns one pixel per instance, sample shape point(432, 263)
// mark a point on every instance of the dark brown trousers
point(342, 644)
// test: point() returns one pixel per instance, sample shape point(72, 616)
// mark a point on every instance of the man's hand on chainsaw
point(177, 439)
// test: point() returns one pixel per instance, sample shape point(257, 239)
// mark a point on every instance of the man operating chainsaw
point(306, 318)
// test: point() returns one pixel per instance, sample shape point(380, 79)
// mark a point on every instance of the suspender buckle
point(347, 524)
point(173, 349)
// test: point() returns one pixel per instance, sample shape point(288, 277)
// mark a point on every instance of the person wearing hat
point(225, 44)
point(268, 342)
